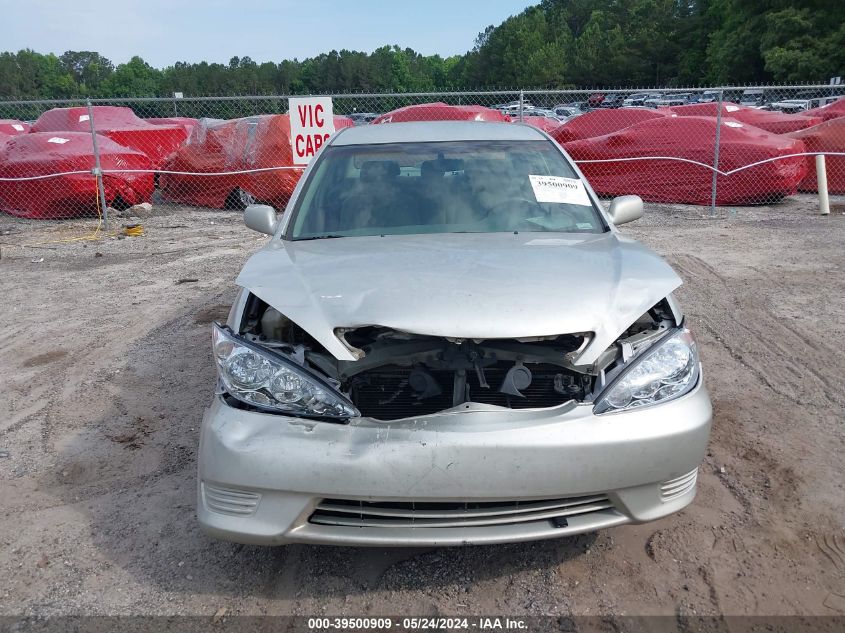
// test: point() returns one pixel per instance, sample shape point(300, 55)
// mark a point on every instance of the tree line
point(555, 44)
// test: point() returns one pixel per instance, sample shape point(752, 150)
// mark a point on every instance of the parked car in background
point(828, 136)
point(569, 109)
point(362, 118)
point(512, 107)
point(545, 123)
point(686, 181)
point(774, 122)
point(189, 123)
point(653, 100)
point(443, 112)
point(446, 341)
point(613, 100)
point(753, 98)
point(121, 125)
point(251, 159)
point(832, 110)
point(72, 190)
point(675, 99)
point(595, 100)
point(600, 122)
point(708, 96)
point(639, 98)
point(12, 127)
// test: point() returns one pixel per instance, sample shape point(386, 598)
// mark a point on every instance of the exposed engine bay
point(399, 374)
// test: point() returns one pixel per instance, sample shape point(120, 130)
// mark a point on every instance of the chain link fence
point(66, 159)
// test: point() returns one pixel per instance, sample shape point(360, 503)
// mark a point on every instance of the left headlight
point(666, 371)
point(259, 377)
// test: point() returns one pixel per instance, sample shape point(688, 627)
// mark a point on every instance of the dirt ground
point(105, 369)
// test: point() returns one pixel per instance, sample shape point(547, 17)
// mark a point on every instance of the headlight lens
point(668, 370)
point(266, 380)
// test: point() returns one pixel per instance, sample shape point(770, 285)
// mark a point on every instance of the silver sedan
point(447, 341)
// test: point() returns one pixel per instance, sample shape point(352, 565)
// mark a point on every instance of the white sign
point(83, 117)
point(559, 189)
point(311, 124)
point(58, 140)
point(18, 127)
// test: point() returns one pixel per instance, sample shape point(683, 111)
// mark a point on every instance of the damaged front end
point(272, 364)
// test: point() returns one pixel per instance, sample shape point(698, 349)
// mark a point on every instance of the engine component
point(516, 380)
point(423, 383)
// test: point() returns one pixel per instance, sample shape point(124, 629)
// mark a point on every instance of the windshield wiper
point(317, 237)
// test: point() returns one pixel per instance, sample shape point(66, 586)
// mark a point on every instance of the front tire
point(239, 199)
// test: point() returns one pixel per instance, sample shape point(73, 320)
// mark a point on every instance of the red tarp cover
point(12, 127)
point(257, 142)
point(691, 138)
point(120, 125)
point(601, 122)
point(545, 123)
point(441, 112)
point(830, 111)
point(826, 137)
point(42, 153)
point(186, 122)
point(774, 122)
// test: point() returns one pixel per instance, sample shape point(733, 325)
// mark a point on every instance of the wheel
point(239, 199)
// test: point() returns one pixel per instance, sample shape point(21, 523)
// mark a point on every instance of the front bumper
point(262, 477)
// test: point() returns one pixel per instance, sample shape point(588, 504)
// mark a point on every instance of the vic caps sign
point(311, 124)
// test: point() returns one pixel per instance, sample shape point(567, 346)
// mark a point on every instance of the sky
point(167, 31)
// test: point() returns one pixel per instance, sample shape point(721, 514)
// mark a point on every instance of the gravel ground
point(105, 370)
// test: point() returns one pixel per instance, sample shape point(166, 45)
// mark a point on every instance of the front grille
point(385, 394)
point(230, 500)
point(428, 514)
point(679, 486)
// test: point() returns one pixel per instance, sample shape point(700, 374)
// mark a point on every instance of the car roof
point(434, 131)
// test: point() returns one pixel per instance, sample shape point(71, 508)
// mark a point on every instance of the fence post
point(97, 171)
point(821, 181)
point(521, 104)
point(716, 153)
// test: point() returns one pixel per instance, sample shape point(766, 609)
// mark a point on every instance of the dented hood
point(478, 286)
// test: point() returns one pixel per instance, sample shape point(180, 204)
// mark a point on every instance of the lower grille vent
point(427, 514)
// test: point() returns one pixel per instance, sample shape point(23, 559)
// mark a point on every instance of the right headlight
point(666, 371)
point(269, 381)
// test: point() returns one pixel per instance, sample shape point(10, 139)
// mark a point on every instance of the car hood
point(476, 286)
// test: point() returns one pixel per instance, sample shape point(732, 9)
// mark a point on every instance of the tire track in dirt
point(775, 353)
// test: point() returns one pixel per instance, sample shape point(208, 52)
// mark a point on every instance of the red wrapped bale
point(229, 148)
point(441, 112)
point(121, 125)
point(691, 139)
point(825, 137)
point(74, 192)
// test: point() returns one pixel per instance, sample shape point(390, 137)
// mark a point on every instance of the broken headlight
point(666, 371)
point(267, 380)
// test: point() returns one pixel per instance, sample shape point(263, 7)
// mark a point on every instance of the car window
point(448, 187)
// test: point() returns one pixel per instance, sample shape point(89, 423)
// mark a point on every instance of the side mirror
point(261, 218)
point(625, 209)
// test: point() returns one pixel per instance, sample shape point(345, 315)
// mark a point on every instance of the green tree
point(136, 78)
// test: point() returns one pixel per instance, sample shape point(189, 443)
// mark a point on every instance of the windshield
point(447, 187)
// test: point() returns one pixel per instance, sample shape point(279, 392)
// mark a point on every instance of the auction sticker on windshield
point(559, 189)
